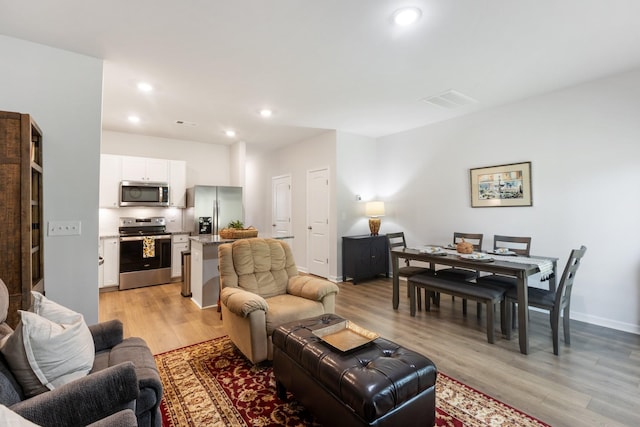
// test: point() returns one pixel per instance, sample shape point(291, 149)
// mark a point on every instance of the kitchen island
point(205, 277)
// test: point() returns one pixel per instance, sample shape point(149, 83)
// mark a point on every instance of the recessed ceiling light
point(265, 112)
point(230, 133)
point(134, 119)
point(144, 87)
point(406, 16)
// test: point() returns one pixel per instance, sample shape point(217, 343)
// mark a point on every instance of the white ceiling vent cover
point(185, 123)
point(450, 99)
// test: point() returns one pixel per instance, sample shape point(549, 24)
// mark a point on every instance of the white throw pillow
point(52, 310)
point(45, 353)
point(10, 418)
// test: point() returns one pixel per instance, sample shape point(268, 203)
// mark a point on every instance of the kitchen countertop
point(214, 239)
point(116, 234)
point(205, 239)
point(109, 236)
point(209, 239)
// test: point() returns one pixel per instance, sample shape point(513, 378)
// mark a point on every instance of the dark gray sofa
point(124, 378)
point(106, 398)
point(112, 349)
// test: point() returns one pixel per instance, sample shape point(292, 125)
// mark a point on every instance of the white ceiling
point(325, 64)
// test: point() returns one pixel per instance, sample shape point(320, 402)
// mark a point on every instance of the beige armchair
point(261, 289)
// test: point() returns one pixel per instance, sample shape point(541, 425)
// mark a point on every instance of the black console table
point(364, 257)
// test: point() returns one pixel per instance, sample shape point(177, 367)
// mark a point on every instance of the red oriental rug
point(212, 384)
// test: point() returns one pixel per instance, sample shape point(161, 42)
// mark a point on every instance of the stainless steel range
point(145, 252)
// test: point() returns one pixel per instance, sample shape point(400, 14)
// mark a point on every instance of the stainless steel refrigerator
point(212, 208)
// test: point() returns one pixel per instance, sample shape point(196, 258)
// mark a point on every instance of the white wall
point(63, 93)
point(356, 169)
point(207, 164)
point(257, 198)
point(584, 146)
point(295, 159)
point(237, 164)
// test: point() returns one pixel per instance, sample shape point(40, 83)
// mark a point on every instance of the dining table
point(519, 267)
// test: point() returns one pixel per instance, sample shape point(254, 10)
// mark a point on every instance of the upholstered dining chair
point(558, 302)
point(397, 240)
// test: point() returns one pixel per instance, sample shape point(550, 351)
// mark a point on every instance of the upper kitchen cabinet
point(144, 169)
point(115, 168)
point(21, 228)
point(178, 183)
point(110, 177)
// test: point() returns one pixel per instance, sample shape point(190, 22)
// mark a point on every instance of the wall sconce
point(374, 210)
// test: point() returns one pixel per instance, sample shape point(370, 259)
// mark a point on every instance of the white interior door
point(318, 222)
point(281, 206)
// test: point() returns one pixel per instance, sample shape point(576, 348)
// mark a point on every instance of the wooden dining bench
point(459, 288)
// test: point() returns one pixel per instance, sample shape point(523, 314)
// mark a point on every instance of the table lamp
point(374, 210)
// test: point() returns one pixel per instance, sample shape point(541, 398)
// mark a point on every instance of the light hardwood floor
point(595, 382)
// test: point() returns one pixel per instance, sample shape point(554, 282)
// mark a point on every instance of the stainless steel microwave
point(133, 193)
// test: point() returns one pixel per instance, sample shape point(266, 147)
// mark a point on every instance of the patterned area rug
point(212, 384)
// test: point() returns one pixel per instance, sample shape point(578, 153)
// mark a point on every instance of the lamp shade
point(374, 209)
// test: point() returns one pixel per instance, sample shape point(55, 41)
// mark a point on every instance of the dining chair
point(462, 273)
point(397, 240)
point(520, 246)
point(555, 302)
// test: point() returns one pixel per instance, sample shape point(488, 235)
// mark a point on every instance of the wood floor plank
point(595, 382)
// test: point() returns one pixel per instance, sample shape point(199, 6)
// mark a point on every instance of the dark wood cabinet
point(21, 229)
point(364, 257)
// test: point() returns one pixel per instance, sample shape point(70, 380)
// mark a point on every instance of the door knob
point(309, 228)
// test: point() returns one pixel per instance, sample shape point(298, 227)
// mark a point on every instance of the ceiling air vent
point(185, 123)
point(450, 99)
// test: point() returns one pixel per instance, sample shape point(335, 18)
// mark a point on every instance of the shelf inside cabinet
point(36, 147)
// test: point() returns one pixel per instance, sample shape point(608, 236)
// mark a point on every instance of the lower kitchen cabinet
point(110, 268)
point(179, 243)
point(364, 257)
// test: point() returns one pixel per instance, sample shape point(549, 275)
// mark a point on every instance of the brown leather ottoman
point(379, 384)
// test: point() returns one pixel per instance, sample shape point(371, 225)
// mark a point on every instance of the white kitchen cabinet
point(179, 243)
point(178, 183)
point(145, 169)
point(110, 268)
point(110, 177)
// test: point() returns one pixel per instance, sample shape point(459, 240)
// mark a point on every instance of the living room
point(581, 140)
point(595, 156)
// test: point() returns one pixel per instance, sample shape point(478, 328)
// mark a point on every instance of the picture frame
point(501, 186)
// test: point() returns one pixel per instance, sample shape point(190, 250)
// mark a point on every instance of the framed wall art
point(502, 185)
